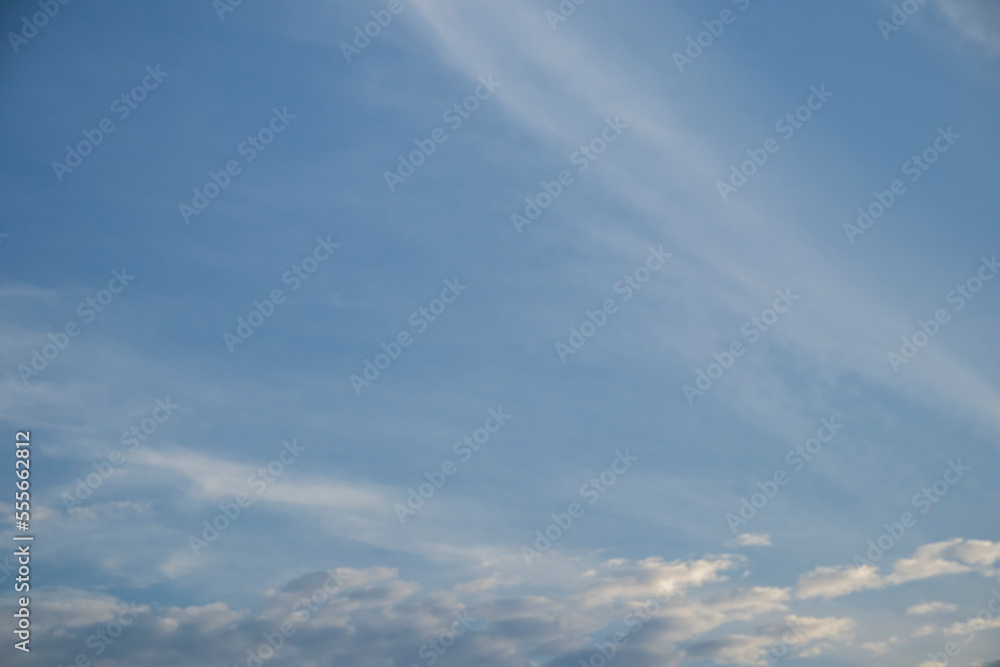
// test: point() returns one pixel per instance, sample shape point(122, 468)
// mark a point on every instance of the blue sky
point(647, 479)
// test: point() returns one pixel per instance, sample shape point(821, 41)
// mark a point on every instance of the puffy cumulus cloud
point(954, 556)
point(66, 610)
point(832, 582)
point(665, 612)
point(696, 617)
point(930, 608)
point(973, 625)
point(930, 560)
point(369, 617)
point(649, 577)
point(794, 636)
point(881, 648)
point(657, 631)
point(978, 20)
point(978, 552)
point(206, 620)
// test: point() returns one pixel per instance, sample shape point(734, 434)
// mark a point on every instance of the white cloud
point(753, 540)
point(647, 578)
point(975, 624)
point(377, 618)
point(831, 582)
point(794, 636)
point(930, 608)
point(928, 561)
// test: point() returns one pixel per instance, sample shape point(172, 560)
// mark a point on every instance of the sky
point(527, 333)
